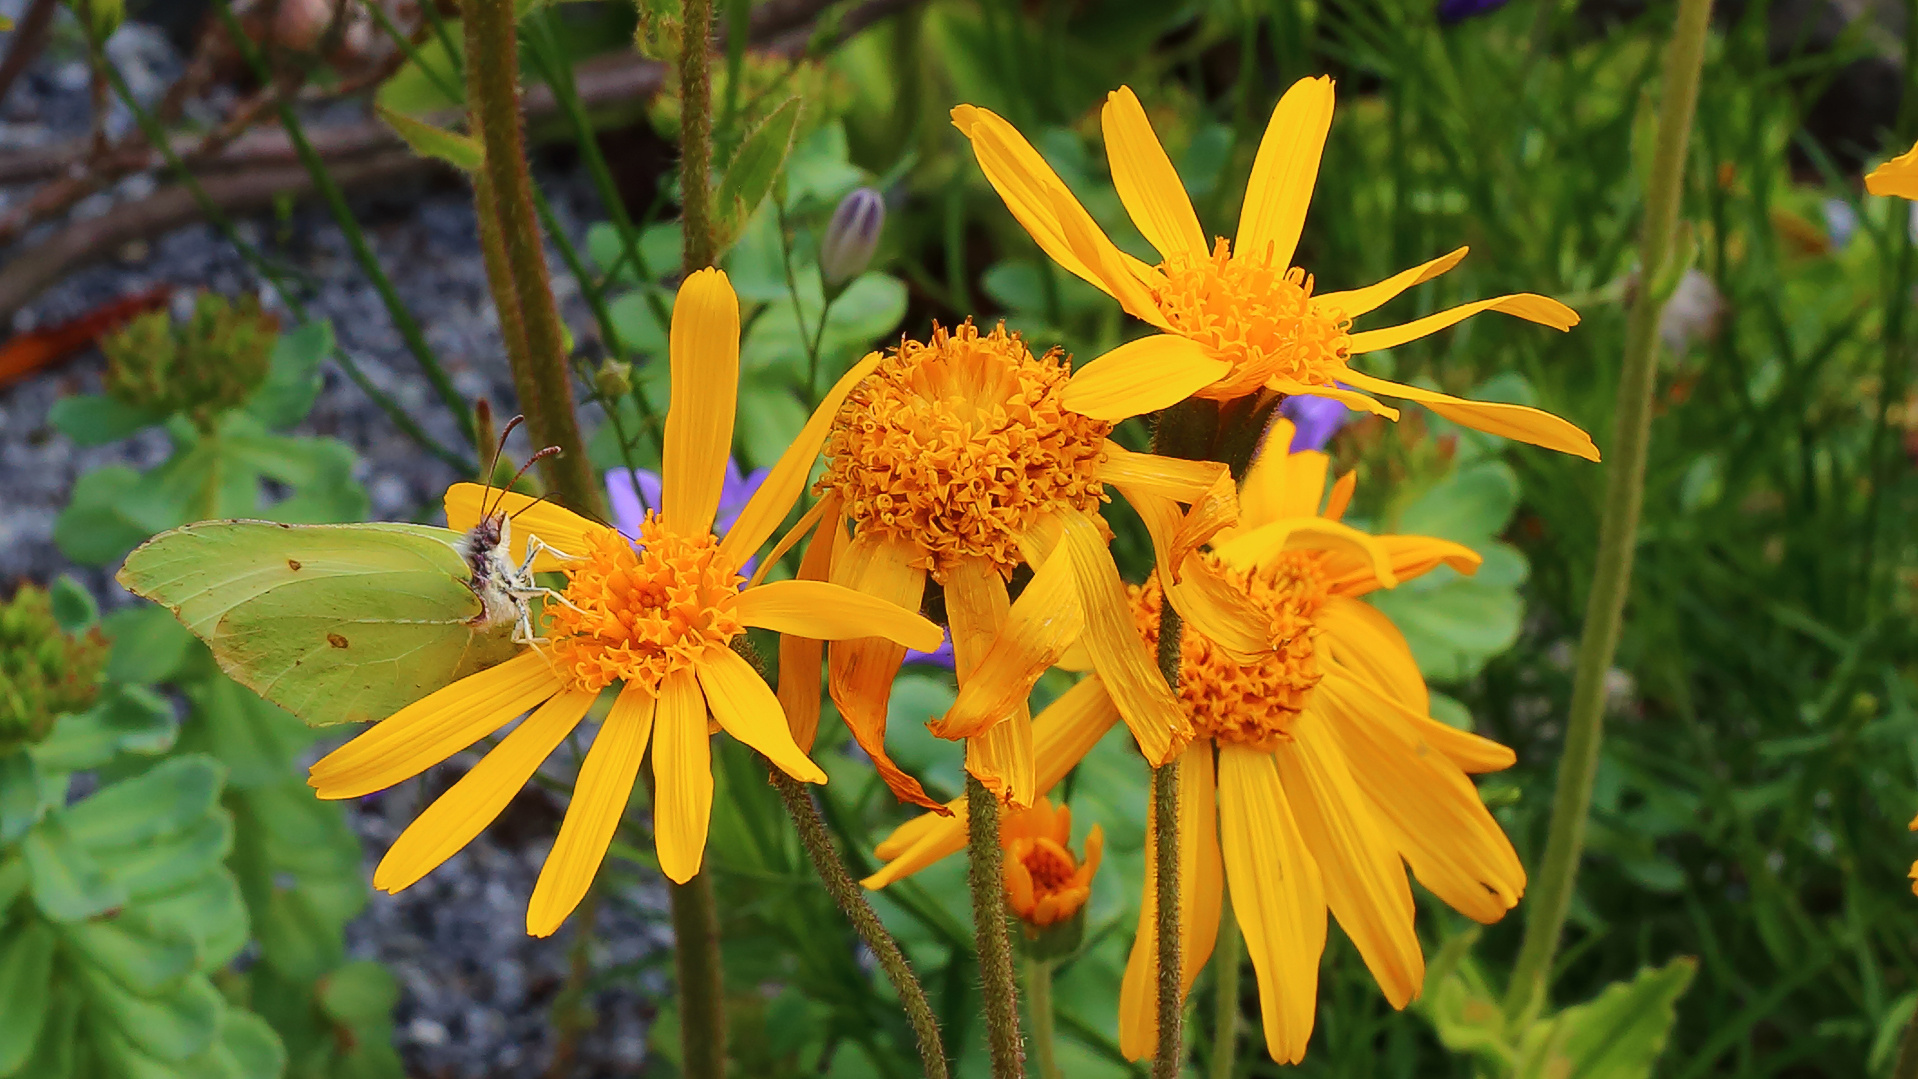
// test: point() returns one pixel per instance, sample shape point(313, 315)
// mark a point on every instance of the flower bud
point(44, 672)
point(212, 362)
point(852, 236)
point(614, 379)
point(1046, 884)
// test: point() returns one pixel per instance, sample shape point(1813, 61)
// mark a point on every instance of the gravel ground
point(476, 992)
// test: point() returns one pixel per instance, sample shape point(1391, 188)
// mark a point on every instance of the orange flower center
point(1250, 705)
point(1258, 317)
point(1050, 864)
point(633, 613)
point(960, 445)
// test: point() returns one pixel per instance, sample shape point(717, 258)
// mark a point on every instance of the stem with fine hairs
point(992, 939)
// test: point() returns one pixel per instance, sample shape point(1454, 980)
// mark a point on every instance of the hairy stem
point(696, 133)
point(991, 937)
point(1618, 531)
point(845, 892)
point(1165, 823)
point(702, 1011)
point(492, 91)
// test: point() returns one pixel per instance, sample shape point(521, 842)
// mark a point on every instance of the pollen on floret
point(959, 445)
point(1256, 704)
point(632, 612)
point(1259, 318)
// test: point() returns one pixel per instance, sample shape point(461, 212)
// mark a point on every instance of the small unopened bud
point(852, 236)
point(614, 379)
point(44, 672)
point(208, 364)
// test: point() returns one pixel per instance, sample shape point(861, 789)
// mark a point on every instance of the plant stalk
point(1226, 960)
point(702, 1010)
point(1039, 1007)
point(992, 939)
point(1906, 1066)
point(1165, 824)
point(696, 133)
point(1618, 530)
point(865, 921)
point(492, 92)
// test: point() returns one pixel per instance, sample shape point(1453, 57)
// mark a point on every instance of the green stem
point(492, 94)
point(1039, 1007)
point(696, 133)
point(702, 1003)
point(991, 938)
point(1165, 821)
point(845, 892)
point(1225, 1008)
point(1906, 1066)
point(1618, 532)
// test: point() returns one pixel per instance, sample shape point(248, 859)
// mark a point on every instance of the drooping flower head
point(957, 461)
point(1045, 882)
point(1316, 774)
point(1897, 177)
point(1235, 317)
point(656, 618)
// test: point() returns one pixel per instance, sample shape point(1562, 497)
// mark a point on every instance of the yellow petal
point(1142, 376)
point(1148, 184)
point(861, 670)
point(704, 347)
point(1119, 653)
point(977, 610)
point(1341, 496)
point(1209, 603)
point(1314, 533)
point(787, 478)
point(1351, 399)
point(555, 526)
point(1061, 735)
point(1425, 804)
point(799, 657)
point(1038, 628)
point(1281, 483)
point(806, 523)
point(1168, 477)
point(1353, 573)
point(833, 612)
point(434, 728)
point(471, 804)
point(1031, 190)
point(1898, 177)
point(1278, 896)
point(1509, 421)
point(1363, 639)
point(1364, 880)
point(1358, 301)
point(599, 801)
point(1201, 888)
point(747, 709)
point(1124, 278)
point(682, 777)
point(1215, 512)
point(1528, 306)
point(1284, 174)
point(1463, 748)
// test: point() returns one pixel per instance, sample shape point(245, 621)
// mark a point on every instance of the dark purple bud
point(1456, 11)
point(1315, 420)
point(852, 236)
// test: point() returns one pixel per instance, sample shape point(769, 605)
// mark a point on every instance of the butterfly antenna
point(492, 467)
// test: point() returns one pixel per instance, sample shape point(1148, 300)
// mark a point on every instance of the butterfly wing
point(334, 623)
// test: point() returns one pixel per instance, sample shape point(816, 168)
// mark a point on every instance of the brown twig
point(29, 37)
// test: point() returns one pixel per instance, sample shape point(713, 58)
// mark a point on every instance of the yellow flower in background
point(956, 462)
point(1317, 774)
point(1898, 177)
point(1237, 317)
point(658, 618)
point(1045, 882)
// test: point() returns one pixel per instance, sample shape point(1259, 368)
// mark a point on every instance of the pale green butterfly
point(344, 623)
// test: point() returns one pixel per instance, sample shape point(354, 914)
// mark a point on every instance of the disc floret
point(1259, 318)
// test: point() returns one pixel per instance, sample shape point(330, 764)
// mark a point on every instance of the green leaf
point(173, 1027)
point(463, 152)
point(255, 739)
point(55, 1057)
point(777, 417)
point(296, 938)
point(20, 802)
point(144, 957)
point(1453, 626)
point(209, 910)
point(74, 609)
point(158, 867)
point(1471, 505)
point(254, 1047)
point(149, 644)
point(868, 311)
point(26, 967)
point(126, 719)
point(750, 174)
point(293, 377)
point(167, 799)
point(99, 524)
point(95, 420)
point(68, 884)
point(1616, 1035)
point(360, 995)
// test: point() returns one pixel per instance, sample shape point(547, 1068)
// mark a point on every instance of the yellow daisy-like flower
point(658, 617)
point(1045, 882)
point(956, 461)
point(1317, 774)
point(1898, 177)
point(1235, 318)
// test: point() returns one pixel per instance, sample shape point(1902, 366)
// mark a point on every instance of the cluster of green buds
point(208, 364)
point(45, 672)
